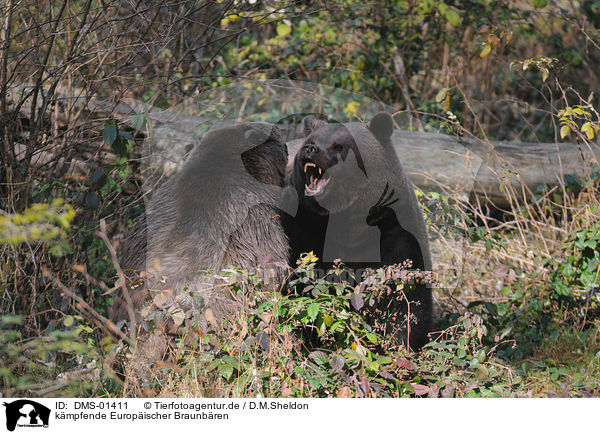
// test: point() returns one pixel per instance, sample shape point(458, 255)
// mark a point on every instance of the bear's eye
point(338, 148)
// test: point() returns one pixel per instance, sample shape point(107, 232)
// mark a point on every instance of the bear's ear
point(382, 126)
point(255, 137)
point(310, 124)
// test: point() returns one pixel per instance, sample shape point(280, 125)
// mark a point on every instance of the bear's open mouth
point(314, 180)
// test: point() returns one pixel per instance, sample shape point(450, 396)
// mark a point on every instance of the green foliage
point(491, 240)
point(458, 363)
point(63, 361)
point(575, 278)
point(118, 139)
point(562, 293)
point(543, 64)
point(446, 62)
point(272, 351)
point(444, 216)
point(407, 53)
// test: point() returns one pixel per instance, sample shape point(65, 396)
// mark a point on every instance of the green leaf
point(338, 325)
point(313, 311)
point(319, 357)
point(207, 357)
point(372, 337)
point(564, 131)
point(337, 362)
point(384, 360)
point(99, 178)
point(538, 4)
point(357, 301)
point(283, 30)
point(374, 366)
point(453, 17)
point(138, 121)
point(226, 371)
point(110, 132)
point(11, 319)
point(474, 363)
point(119, 145)
point(232, 361)
point(68, 321)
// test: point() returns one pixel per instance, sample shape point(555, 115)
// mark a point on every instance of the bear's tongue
point(316, 186)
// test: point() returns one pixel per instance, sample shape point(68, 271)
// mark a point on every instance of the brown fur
point(219, 211)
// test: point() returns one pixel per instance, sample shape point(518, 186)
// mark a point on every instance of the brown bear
point(218, 211)
point(356, 203)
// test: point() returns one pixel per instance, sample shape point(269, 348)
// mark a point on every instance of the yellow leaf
point(351, 108)
point(446, 105)
point(178, 316)
point(441, 95)
point(564, 131)
point(283, 30)
point(493, 40)
point(307, 258)
point(487, 49)
point(210, 317)
point(588, 129)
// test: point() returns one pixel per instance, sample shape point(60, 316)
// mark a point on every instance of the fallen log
point(499, 173)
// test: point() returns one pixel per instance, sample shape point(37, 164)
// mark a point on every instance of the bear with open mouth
point(355, 203)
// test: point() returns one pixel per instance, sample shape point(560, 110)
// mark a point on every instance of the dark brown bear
point(356, 203)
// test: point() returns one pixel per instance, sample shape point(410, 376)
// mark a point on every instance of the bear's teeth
point(319, 171)
point(307, 165)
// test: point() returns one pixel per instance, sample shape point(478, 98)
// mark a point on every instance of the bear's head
point(339, 165)
point(235, 151)
point(230, 170)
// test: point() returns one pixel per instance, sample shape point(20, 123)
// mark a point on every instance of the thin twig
point(122, 280)
point(109, 325)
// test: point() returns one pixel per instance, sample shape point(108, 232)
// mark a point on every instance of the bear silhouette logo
point(25, 412)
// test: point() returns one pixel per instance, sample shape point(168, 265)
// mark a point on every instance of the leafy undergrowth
point(324, 343)
point(526, 325)
point(321, 344)
point(65, 361)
